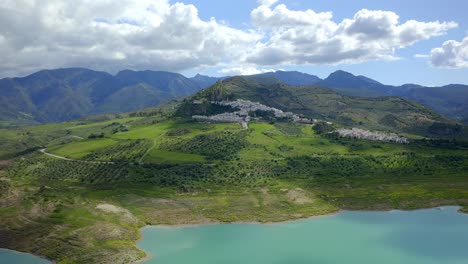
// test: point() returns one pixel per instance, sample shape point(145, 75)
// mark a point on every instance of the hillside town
point(243, 115)
point(369, 135)
point(246, 108)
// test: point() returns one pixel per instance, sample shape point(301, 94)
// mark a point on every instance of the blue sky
point(394, 42)
point(406, 70)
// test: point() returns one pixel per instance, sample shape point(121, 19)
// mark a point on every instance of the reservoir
point(12, 257)
point(429, 236)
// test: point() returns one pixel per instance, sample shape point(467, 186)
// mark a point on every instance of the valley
point(165, 168)
point(227, 132)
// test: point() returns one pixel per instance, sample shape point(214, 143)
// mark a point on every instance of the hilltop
point(388, 113)
point(448, 100)
point(66, 94)
point(78, 192)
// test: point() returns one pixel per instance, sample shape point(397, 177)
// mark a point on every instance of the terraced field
point(129, 172)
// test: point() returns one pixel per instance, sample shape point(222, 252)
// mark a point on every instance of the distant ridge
point(64, 94)
point(293, 77)
point(204, 81)
point(449, 100)
point(71, 93)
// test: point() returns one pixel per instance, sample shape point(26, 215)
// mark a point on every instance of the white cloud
point(155, 34)
point(421, 56)
point(247, 70)
point(307, 37)
point(452, 54)
point(100, 34)
point(267, 2)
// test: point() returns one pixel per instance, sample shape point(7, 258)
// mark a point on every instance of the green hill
point(79, 191)
point(393, 114)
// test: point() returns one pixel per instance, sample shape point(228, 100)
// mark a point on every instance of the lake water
point(410, 237)
point(15, 257)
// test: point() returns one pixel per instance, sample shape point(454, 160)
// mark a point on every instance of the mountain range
point(65, 94)
point(449, 100)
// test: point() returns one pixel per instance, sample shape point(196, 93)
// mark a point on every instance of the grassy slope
point(383, 113)
point(164, 176)
point(79, 149)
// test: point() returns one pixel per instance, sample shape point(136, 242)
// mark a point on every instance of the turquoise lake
point(429, 236)
point(15, 257)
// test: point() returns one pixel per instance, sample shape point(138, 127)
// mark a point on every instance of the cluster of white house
point(245, 107)
point(242, 116)
point(224, 117)
point(365, 134)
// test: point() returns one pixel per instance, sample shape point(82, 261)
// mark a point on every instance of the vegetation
point(87, 203)
point(67, 94)
point(323, 128)
point(218, 145)
point(123, 151)
point(448, 100)
point(392, 114)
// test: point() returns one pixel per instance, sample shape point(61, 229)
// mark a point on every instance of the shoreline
point(149, 256)
point(246, 222)
point(460, 207)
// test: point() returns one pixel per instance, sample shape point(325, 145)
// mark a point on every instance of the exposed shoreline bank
point(207, 223)
point(149, 256)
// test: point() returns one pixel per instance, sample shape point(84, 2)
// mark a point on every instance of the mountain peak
point(340, 74)
point(204, 81)
point(128, 71)
point(198, 75)
point(342, 78)
point(292, 77)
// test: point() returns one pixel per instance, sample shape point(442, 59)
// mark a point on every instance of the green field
point(79, 149)
point(175, 171)
point(163, 156)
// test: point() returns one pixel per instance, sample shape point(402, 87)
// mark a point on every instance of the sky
point(394, 42)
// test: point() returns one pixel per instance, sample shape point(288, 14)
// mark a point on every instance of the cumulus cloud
point(243, 70)
point(421, 56)
point(101, 34)
point(452, 54)
point(308, 37)
point(155, 34)
point(267, 2)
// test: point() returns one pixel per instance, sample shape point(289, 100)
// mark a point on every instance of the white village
point(244, 115)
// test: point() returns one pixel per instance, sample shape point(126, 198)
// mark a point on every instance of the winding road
point(64, 158)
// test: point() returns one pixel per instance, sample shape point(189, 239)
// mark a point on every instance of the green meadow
point(81, 148)
point(176, 171)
